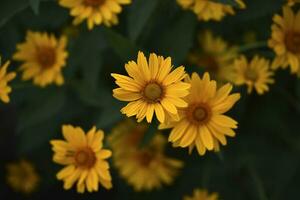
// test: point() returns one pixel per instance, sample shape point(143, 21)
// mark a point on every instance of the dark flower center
point(292, 42)
point(198, 113)
point(251, 75)
point(153, 92)
point(85, 158)
point(46, 57)
point(94, 3)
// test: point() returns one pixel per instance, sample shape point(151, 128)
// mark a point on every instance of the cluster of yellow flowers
point(194, 107)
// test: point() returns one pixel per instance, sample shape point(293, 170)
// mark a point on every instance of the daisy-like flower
point(144, 168)
point(203, 123)
point(43, 58)
point(95, 12)
point(151, 87)
point(292, 2)
point(84, 159)
point(22, 176)
point(4, 79)
point(215, 56)
point(285, 40)
point(255, 74)
point(208, 9)
point(200, 194)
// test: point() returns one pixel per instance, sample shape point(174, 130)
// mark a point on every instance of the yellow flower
point(209, 10)
point(285, 40)
point(292, 2)
point(22, 176)
point(215, 56)
point(255, 74)
point(43, 58)
point(84, 159)
point(203, 123)
point(151, 88)
point(95, 12)
point(4, 79)
point(144, 168)
point(202, 195)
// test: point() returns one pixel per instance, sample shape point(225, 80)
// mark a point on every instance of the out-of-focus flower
point(5, 77)
point(43, 57)
point(144, 168)
point(84, 159)
point(22, 176)
point(292, 2)
point(152, 87)
point(95, 12)
point(200, 194)
point(203, 123)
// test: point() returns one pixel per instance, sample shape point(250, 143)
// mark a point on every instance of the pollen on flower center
point(85, 158)
point(153, 92)
point(292, 41)
point(94, 3)
point(46, 56)
point(198, 113)
point(251, 75)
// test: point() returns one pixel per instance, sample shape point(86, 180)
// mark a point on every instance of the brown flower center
point(145, 158)
point(251, 75)
point(198, 113)
point(210, 63)
point(153, 92)
point(94, 3)
point(292, 42)
point(46, 57)
point(85, 158)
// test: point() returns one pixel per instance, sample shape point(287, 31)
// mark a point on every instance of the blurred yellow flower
point(144, 168)
point(292, 2)
point(22, 176)
point(202, 195)
point(151, 88)
point(84, 159)
point(285, 40)
point(215, 56)
point(208, 9)
point(203, 123)
point(43, 58)
point(255, 74)
point(4, 79)
point(95, 12)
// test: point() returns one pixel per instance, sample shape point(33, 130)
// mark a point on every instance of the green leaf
point(35, 4)
point(9, 8)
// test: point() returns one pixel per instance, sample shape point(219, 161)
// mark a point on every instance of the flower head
point(285, 40)
point(255, 74)
point(201, 195)
point(43, 58)
point(209, 10)
point(144, 168)
point(203, 123)
point(84, 159)
point(4, 79)
point(96, 12)
point(292, 2)
point(22, 176)
point(151, 88)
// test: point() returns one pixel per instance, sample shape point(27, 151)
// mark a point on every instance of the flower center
point(153, 92)
point(46, 56)
point(292, 42)
point(145, 158)
point(85, 158)
point(251, 75)
point(94, 3)
point(198, 113)
point(210, 63)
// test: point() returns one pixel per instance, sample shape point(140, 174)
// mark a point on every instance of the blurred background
point(262, 162)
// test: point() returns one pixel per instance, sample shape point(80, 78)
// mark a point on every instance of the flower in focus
point(215, 56)
point(201, 195)
point(203, 123)
point(144, 168)
point(255, 74)
point(151, 88)
point(285, 40)
point(95, 12)
point(4, 79)
point(84, 159)
point(22, 176)
point(43, 58)
point(209, 10)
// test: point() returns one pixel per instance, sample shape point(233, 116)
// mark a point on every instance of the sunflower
point(214, 56)
point(285, 40)
point(43, 58)
point(22, 176)
point(203, 123)
point(4, 79)
point(292, 2)
point(151, 88)
point(255, 74)
point(144, 168)
point(202, 195)
point(95, 12)
point(84, 159)
point(208, 9)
